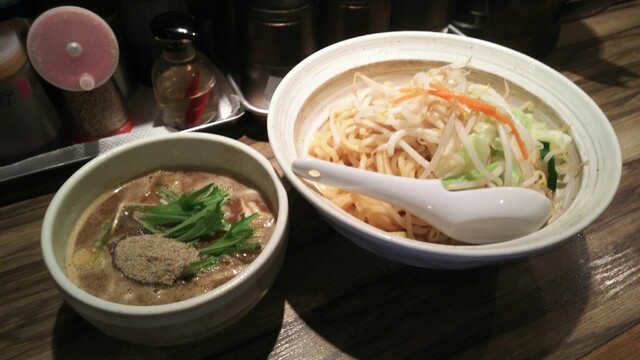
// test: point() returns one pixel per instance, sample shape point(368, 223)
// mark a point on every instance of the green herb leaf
point(234, 240)
point(102, 239)
point(552, 174)
point(206, 222)
point(166, 194)
point(188, 216)
point(239, 232)
point(194, 268)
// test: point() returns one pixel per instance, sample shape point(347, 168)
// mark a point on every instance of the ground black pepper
point(96, 113)
point(153, 259)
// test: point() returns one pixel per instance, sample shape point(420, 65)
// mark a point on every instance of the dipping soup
point(99, 262)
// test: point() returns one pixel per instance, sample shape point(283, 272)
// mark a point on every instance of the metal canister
point(344, 19)
point(433, 15)
point(29, 123)
point(274, 37)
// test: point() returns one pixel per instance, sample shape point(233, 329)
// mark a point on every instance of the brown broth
point(97, 275)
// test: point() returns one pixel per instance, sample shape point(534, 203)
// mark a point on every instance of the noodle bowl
point(305, 98)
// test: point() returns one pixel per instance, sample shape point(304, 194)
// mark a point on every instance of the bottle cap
point(72, 48)
point(176, 31)
point(174, 26)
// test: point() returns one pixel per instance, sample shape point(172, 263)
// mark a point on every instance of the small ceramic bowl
point(187, 320)
point(299, 107)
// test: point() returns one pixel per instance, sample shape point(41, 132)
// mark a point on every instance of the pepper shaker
point(76, 51)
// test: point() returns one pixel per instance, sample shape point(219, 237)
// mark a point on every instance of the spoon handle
point(478, 216)
point(407, 193)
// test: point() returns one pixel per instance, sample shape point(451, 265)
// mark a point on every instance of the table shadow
point(374, 308)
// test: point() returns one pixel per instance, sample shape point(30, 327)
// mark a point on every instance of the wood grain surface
point(334, 300)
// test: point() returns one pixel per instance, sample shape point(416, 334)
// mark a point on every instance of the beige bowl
point(187, 320)
point(299, 107)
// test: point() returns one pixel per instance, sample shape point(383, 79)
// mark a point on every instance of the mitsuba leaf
point(188, 216)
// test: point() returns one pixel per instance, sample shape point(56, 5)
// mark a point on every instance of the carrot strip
point(446, 96)
point(440, 88)
point(425, 91)
point(485, 108)
point(405, 97)
point(476, 104)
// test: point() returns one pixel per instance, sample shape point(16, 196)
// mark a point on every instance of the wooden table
point(333, 299)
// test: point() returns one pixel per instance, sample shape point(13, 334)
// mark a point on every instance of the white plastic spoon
point(479, 216)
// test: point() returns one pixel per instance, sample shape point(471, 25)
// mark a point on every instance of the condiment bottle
point(76, 51)
point(183, 79)
point(29, 123)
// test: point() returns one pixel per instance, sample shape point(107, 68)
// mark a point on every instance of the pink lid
point(72, 48)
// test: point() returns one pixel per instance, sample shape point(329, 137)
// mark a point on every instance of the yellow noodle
point(420, 138)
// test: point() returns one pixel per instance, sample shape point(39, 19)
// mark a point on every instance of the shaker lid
point(72, 48)
point(12, 55)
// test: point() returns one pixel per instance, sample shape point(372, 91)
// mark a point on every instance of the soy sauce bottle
point(183, 79)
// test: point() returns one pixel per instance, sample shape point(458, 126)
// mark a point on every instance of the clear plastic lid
point(72, 48)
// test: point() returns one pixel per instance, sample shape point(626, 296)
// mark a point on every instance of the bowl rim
point(454, 253)
point(149, 311)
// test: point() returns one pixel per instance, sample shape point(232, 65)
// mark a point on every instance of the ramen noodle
point(439, 125)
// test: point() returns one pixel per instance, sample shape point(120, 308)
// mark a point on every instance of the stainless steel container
point(344, 19)
point(274, 37)
point(29, 123)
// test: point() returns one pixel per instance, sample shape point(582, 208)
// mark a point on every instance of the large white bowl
point(187, 320)
point(299, 106)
